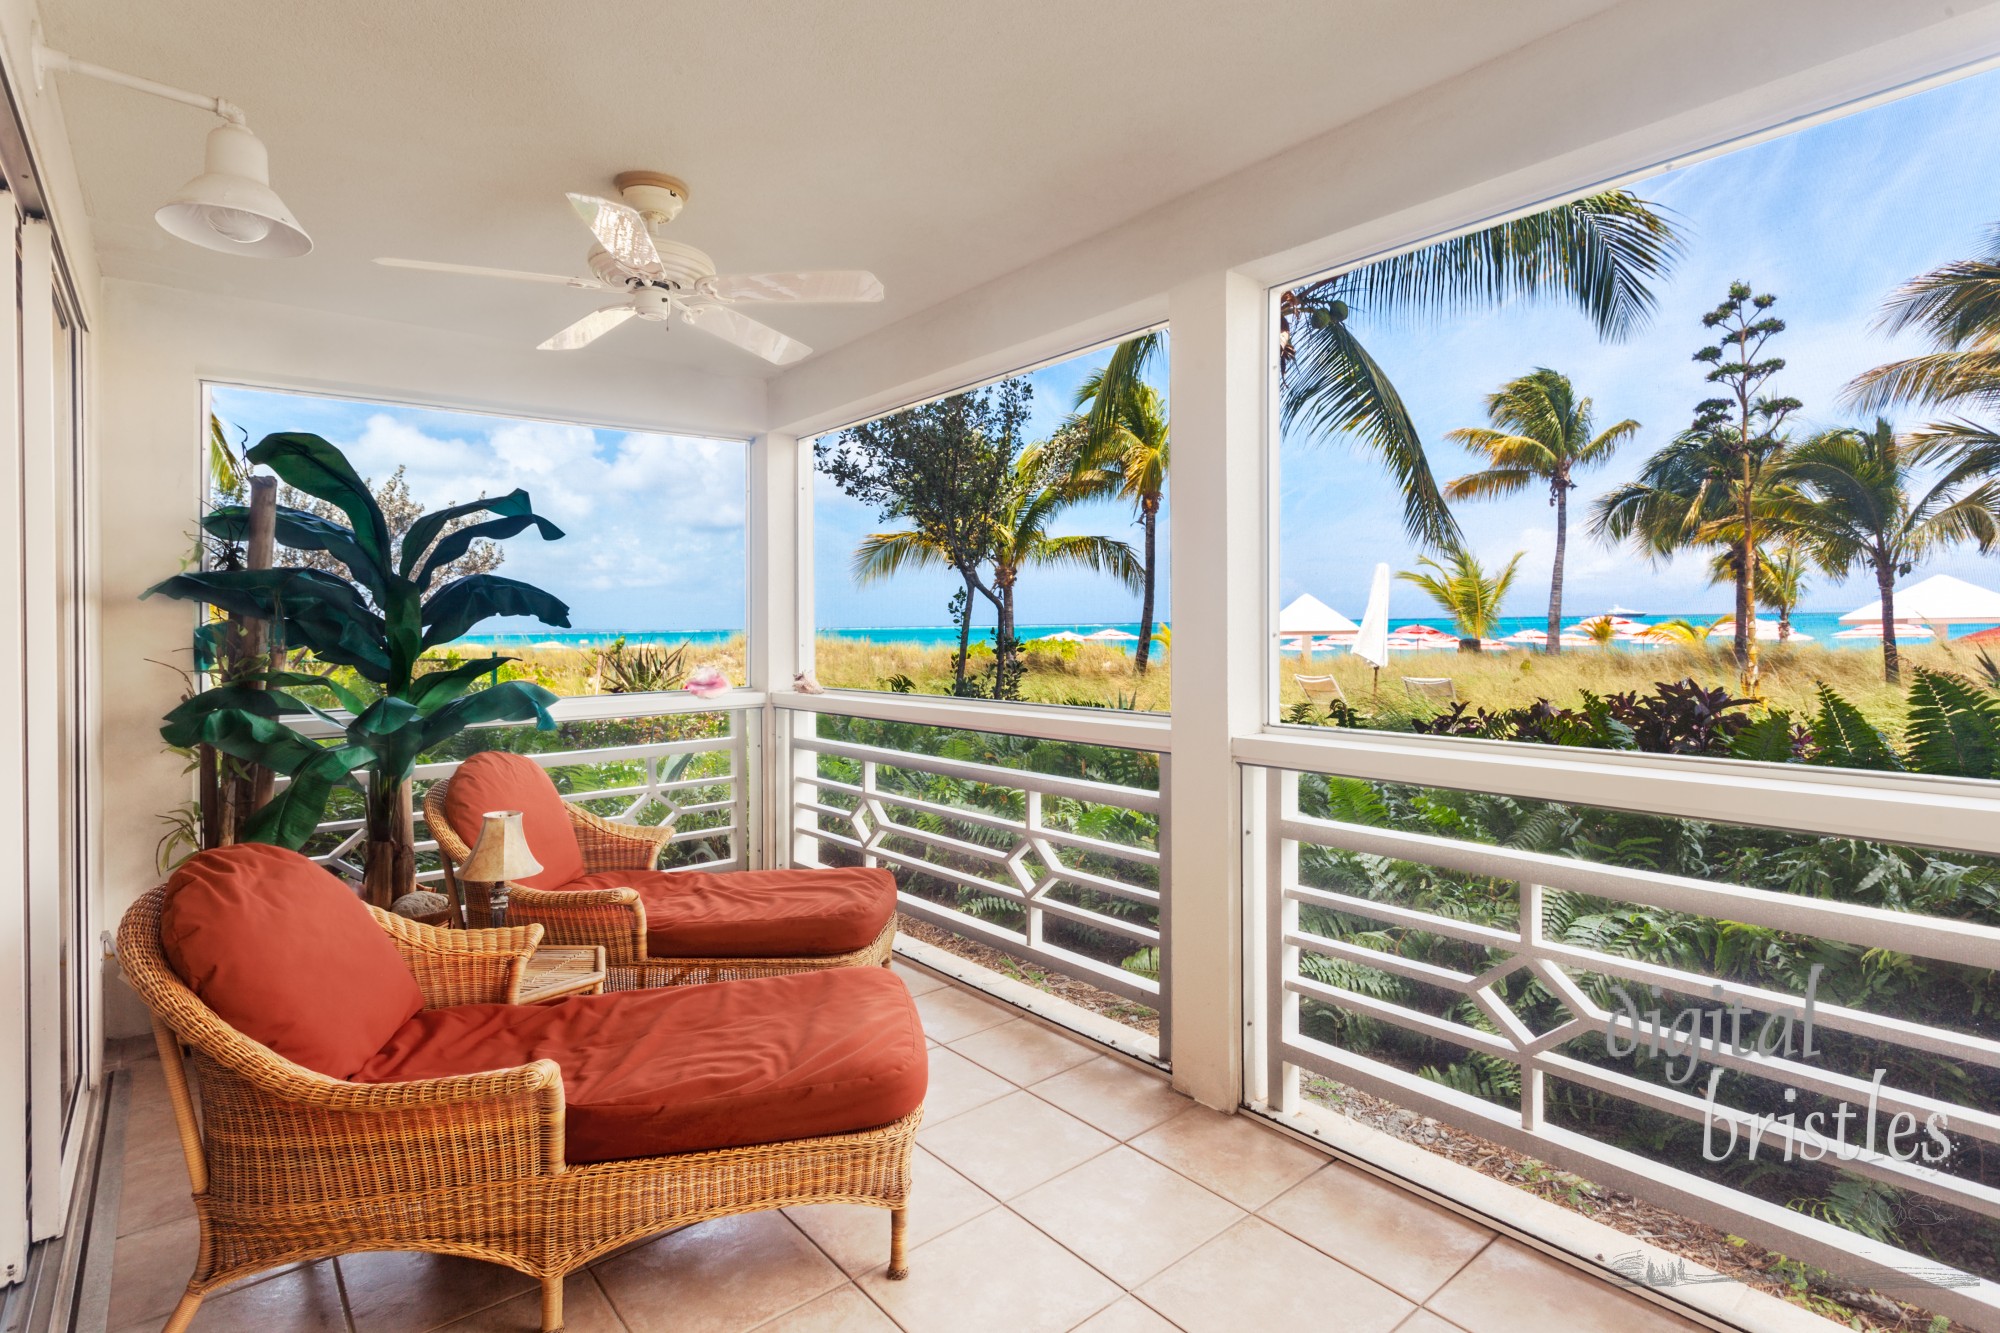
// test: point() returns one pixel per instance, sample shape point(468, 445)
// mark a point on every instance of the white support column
point(1217, 383)
point(780, 620)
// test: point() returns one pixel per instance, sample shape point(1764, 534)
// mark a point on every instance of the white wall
point(155, 348)
point(1632, 87)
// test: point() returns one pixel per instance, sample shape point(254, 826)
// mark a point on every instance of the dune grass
point(1103, 675)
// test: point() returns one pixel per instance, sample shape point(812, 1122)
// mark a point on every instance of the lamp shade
point(501, 854)
point(231, 207)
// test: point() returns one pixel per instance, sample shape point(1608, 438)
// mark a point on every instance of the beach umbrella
point(1111, 636)
point(1764, 631)
point(1061, 636)
point(1371, 640)
point(1904, 632)
point(1939, 601)
point(1307, 615)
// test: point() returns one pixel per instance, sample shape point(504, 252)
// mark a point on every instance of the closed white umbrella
point(1371, 640)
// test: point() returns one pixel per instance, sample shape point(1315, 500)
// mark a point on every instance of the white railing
point(1007, 849)
point(707, 799)
point(1556, 964)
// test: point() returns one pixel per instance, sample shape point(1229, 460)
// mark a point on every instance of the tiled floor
point(1056, 1188)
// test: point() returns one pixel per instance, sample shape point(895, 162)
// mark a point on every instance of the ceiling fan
point(662, 280)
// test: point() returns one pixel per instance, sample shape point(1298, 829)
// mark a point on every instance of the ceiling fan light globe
point(231, 206)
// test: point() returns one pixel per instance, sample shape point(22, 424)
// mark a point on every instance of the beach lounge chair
point(1321, 689)
point(364, 1085)
point(600, 884)
point(1436, 688)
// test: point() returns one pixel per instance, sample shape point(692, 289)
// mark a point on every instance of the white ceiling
point(941, 144)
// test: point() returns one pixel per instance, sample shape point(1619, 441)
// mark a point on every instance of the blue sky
point(1830, 219)
point(653, 524)
point(1046, 596)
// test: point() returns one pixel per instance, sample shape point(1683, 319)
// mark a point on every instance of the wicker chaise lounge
point(600, 885)
point(318, 1136)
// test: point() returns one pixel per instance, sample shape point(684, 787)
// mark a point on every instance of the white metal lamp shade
point(502, 854)
point(231, 207)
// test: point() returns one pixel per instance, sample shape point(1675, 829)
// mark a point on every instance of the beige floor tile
point(1408, 1244)
point(1230, 1154)
point(1023, 1052)
point(1130, 1315)
point(995, 1272)
point(1255, 1276)
point(153, 1187)
point(719, 1277)
point(1114, 1097)
point(842, 1310)
point(957, 1085)
point(1423, 1321)
point(950, 1013)
point(149, 1271)
point(304, 1300)
point(1126, 1215)
point(1510, 1288)
point(401, 1291)
point(919, 982)
point(856, 1237)
point(1014, 1144)
point(585, 1310)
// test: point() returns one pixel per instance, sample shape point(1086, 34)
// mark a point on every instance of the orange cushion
point(757, 913)
point(688, 1068)
point(497, 780)
point(287, 955)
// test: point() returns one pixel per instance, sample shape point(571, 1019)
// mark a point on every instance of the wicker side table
point(558, 970)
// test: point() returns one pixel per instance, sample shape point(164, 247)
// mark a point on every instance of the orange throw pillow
point(287, 955)
point(497, 780)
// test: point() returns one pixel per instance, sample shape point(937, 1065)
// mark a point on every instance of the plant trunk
point(1148, 520)
point(261, 550)
point(1554, 644)
point(1885, 584)
point(1746, 569)
point(1003, 642)
point(964, 635)
point(391, 866)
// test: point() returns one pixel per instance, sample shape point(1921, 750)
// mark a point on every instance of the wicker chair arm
point(462, 966)
point(609, 846)
point(613, 918)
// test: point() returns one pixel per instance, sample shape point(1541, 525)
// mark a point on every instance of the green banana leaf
point(516, 516)
point(463, 603)
point(308, 463)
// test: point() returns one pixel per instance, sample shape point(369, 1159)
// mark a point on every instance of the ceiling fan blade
point(621, 231)
point(588, 329)
point(746, 333)
point(830, 285)
point(471, 270)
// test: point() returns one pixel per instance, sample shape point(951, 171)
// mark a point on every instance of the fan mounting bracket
point(655, 196)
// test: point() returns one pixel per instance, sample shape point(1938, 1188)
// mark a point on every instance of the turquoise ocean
point(1820, 625)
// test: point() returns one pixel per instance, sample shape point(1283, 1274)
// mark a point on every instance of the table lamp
point(500, 857)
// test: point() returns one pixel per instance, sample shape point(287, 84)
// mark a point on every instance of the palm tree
point(1125, 453)
point(1958, 307)
point(1695, 494)
point(1468, 594)
point(1858, 506)
point(1599, 252)
point(1541, 435)
point(1041, 490)
point(1777, 584)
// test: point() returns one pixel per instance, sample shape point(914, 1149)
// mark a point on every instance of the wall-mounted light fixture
point(230, 206)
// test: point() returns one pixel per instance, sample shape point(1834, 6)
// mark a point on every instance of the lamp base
point(486, 903)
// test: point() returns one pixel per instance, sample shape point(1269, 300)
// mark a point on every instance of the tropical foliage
point(369, 632)
point(1124, 453)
